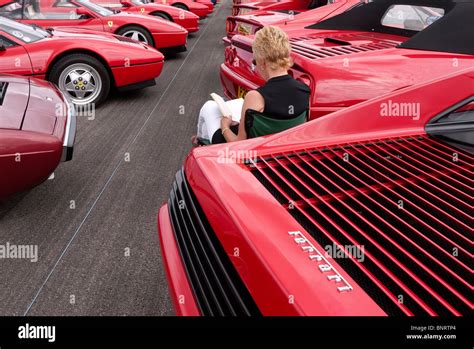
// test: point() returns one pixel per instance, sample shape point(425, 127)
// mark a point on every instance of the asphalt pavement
point(95, 222)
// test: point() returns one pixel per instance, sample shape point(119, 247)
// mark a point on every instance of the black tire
point(181, 6)
point(163, 16)
point(139, 29)
point(66, 61)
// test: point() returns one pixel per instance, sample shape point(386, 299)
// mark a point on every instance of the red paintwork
point(201, 7)
point(32, 132)
point(289, 5)
point(165, 34)
point(186, 19)
point(246, 215)
point(258, 19)
point(342, 80)
point(129, 63)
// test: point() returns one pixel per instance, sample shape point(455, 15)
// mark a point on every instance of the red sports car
point(355, 213)
point(186, 19)
point(201, 8)
point(84, 14)
point(249, 24)
point(37, 131)
point(84, 64)
point(363, 53)
point(285, 6)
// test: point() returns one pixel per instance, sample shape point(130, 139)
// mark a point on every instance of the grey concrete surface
point(95, 223)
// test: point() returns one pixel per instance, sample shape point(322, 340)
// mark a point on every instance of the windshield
point(102, 11)
point(23, 32)
point(411, 17)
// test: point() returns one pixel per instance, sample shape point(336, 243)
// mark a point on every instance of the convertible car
point(37, 131)
point(84, 64)
point(84, 14)
point(186, 19)
point(284, 6)
point(249, 24)
point(355, 213)
point(362, 53)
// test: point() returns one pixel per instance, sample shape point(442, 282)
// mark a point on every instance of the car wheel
point(181, 6)
point(163, 16)
point(83, 78)
point(136, 33)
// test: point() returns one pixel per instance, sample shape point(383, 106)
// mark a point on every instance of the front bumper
point(178, 283)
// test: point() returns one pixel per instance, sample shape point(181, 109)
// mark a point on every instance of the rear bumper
point(231, 81)
point(226, 40)
point(201, 12)
point(136, 74)
point(178, 283)
point(168, 40)
point(190, 24)
point(69, 134)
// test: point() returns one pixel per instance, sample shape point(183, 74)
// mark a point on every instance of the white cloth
point(210, 118)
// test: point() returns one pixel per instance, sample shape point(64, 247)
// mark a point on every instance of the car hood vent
point(317, 47)
point(406, 202)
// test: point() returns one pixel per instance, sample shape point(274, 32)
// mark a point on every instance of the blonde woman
point(281, 98)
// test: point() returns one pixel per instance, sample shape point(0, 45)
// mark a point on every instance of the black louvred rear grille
point(218, 289)
point(300, 45)
point(408, 201)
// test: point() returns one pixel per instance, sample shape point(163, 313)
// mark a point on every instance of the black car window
point(23, 32)
point(11, 10)
point(5, 42)
point(455, 125)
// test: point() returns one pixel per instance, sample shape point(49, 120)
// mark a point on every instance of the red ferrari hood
point(73, 32)
point(125, 16)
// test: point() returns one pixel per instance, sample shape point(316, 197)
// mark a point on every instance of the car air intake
point(407, 201)
point(300, 45)
point(218, 289)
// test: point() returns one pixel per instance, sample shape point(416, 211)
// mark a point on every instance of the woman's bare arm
point(253, 100)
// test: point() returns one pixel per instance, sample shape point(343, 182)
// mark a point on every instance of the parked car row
point(83, 49)
point(358, 211)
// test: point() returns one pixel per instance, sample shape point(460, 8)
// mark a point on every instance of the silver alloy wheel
point(81, 82)
point(136, 35)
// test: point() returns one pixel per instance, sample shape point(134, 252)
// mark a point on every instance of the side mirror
point(2, 48)
point(126, 3)
point(82, 12)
